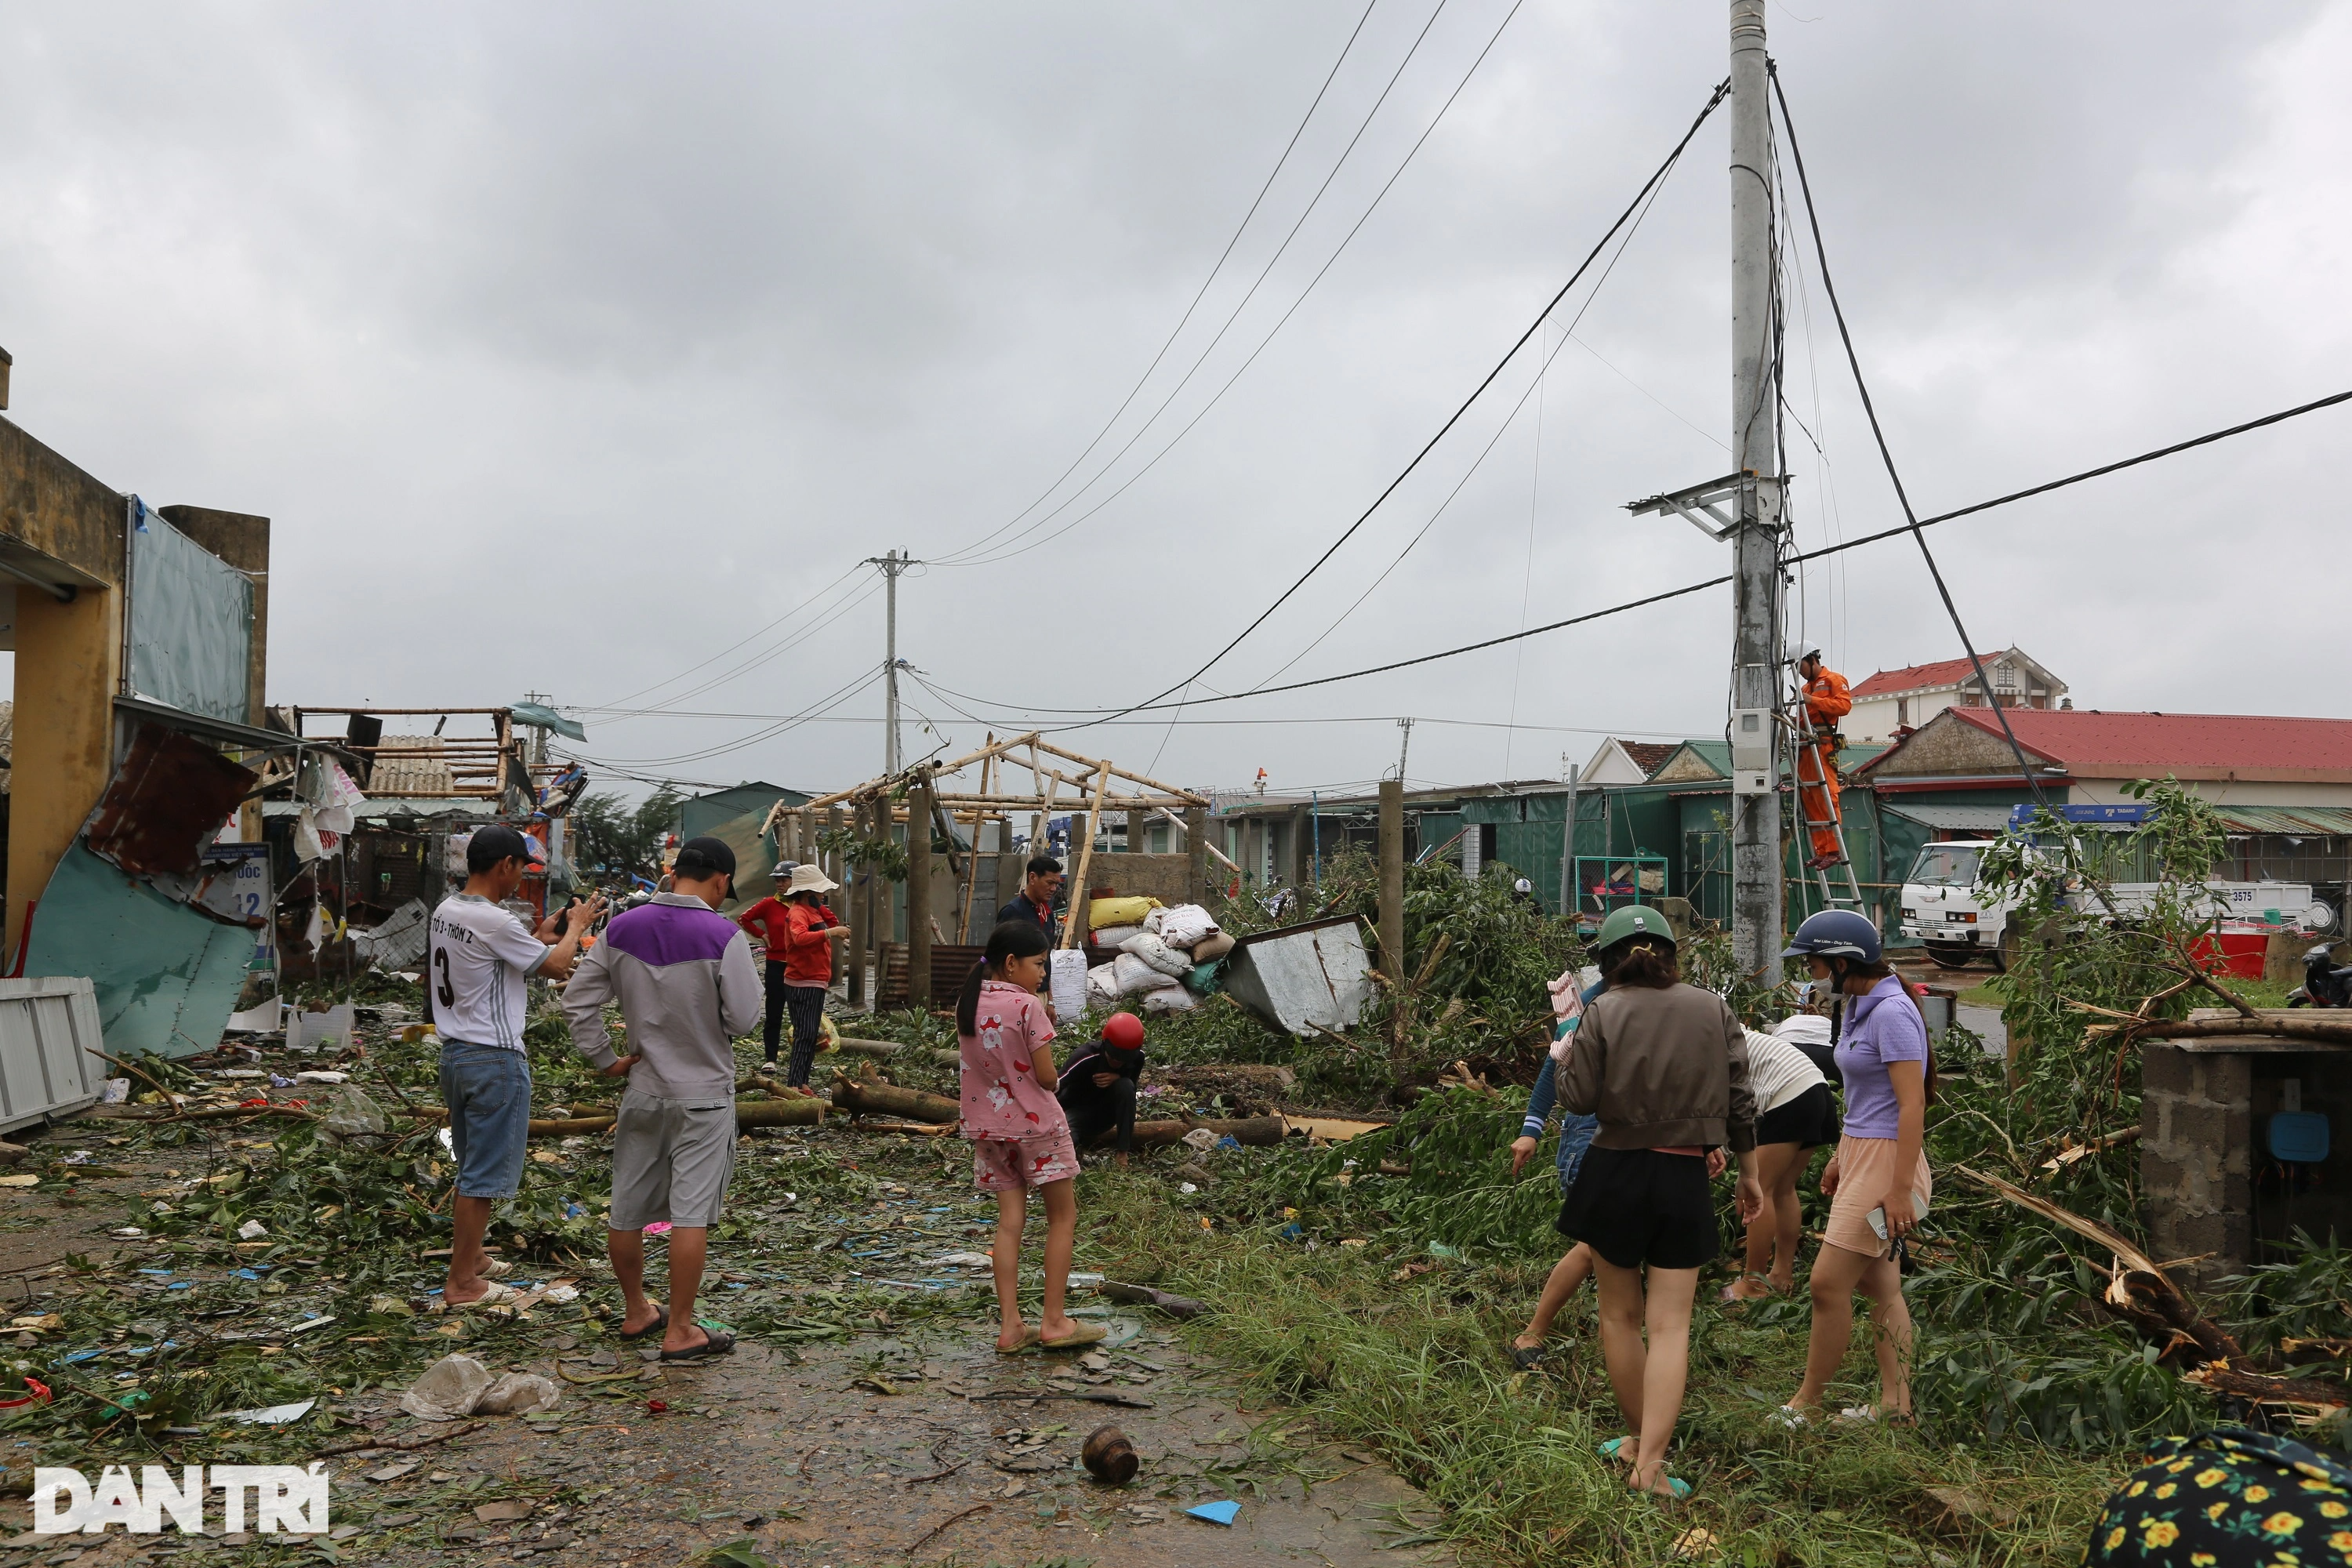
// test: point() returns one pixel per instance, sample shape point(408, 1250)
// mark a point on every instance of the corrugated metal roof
point(1911, 677)
point(1951, 818)
point(2295, 821)
point(376, 808)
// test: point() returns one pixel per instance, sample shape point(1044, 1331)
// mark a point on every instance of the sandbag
point(1127, 911)
point(1205, 979)
point(1113, 937)
point(1169, 999)
point(1186, 924)
point(1212, 947)
point(1159, 954)
point(1102, 985)
point(1132, 974)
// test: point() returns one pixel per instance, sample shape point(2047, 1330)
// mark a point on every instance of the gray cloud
point(682, 311)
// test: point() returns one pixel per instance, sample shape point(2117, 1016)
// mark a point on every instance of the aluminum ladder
point(1831, 896)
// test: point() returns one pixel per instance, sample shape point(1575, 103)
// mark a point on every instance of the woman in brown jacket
point(1665, 1066)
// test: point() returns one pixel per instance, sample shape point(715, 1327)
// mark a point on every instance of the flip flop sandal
point(496, 1268)
point(1084, 1334)
point(656, 1326)
point(493, 1295)
point(1792, 1417)
point(720, 1342)
point(1618, 1450)
point(1526, 1358)
point(1028, 1342)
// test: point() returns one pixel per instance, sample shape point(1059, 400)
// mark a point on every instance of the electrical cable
point(1721, 92)
point(1718, 582)
point(954, 558)
point(1479, 461)
point(723, 653)
point(824, 704)
point(1280, 322)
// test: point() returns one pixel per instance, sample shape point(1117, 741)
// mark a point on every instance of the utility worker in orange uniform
point(1827, 700)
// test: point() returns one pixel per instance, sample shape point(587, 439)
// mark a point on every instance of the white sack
point(1110, 938)
point(1132, 974)
point(1159, 954)
point(1169, 999)
point(1185, 924)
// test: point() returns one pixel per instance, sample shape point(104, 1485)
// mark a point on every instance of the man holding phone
point(478, 960)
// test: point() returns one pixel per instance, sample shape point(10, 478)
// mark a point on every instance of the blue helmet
point(1834, 933)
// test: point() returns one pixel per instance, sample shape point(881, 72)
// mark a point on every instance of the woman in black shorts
point(1665, 1067)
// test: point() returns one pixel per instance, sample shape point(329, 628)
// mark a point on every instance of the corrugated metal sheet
point(2296, 821)
point(47, 1028)
point(1298, 976)
point(421, 774)
point(1951, 818)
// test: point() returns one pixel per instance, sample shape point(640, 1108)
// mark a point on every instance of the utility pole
point(1745, 508)
point(1404, 749)
point(892, 563)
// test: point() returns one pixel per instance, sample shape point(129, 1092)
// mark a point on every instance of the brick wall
point(2196, 1147)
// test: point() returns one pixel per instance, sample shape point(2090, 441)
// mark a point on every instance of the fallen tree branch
point(940, 1529)
point(401, 1445)
point(859, 1096)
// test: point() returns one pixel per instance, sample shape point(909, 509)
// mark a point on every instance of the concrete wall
point(2195, 1158)
point(2110, 791)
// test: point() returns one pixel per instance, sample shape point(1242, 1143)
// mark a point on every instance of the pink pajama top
point(1002, 1096)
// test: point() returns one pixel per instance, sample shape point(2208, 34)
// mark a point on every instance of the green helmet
point(1633, 920)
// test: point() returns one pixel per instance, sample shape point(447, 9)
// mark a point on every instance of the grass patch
point(1417, 1369)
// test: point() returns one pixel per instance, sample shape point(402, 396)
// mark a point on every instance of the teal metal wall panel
point(191, 622)
point(166, 976)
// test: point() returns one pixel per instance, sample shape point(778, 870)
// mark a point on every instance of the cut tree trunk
point(860, 1097)
point(1250, 1132)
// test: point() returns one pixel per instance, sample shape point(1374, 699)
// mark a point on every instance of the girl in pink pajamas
point(1019, 1135)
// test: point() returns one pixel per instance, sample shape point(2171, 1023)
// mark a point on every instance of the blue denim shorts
point(487, 1092)
point(1575, 1137)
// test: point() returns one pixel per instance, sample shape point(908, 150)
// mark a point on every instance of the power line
point(1279, 163)
point(1349, 532)
point(730, 647)
point(1280, 322)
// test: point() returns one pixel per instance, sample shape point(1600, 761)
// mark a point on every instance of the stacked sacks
point(1168, 956)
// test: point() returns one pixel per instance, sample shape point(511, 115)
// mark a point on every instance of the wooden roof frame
point(1089, 783)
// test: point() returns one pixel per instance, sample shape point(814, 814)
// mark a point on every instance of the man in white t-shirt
point(478, 963)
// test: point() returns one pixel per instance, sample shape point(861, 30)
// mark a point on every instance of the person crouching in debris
point(1665, 1066)
point(1019, 1137)
point(1097, 1089)
point(683, 976)
point(479, 959)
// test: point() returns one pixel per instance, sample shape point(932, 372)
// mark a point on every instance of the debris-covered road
point(866, 1419)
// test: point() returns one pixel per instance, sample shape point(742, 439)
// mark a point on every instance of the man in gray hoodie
point(687, 986)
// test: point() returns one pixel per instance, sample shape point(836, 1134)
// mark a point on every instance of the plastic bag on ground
point(348, 1110)
point(1186, 924)
point(448, 1391)
point(1114, 937)
point(1215, 945)
point(518, 1394)
point(1159, 954)
point(1169, 999)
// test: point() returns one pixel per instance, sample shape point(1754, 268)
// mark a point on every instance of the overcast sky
point(570, 346)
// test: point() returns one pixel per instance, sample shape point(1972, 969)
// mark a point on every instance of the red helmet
point(1123, 1031)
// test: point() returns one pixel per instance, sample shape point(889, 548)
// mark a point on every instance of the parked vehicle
point(2323, 984)
point(1943, 909)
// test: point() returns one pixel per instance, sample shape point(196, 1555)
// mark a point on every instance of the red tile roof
point(2094, 744)
point(1943, 672)
point(1649, 755)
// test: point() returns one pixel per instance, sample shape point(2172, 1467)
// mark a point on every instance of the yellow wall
point(68, 657)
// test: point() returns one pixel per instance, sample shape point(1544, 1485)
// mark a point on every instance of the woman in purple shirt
point(1878, 1183)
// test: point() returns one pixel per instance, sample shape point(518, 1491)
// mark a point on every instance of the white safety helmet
point(1802, 651)
point(1523, 885)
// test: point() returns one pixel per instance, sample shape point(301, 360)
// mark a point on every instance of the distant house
point(1893, 700)
point(1620, 762)
point(701, 814)
point(2083, 755)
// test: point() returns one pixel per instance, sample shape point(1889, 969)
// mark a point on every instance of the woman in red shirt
point(799, 932)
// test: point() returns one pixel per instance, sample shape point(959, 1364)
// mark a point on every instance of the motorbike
point(2325, 984)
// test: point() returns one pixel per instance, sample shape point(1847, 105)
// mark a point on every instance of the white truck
point(1958, 922)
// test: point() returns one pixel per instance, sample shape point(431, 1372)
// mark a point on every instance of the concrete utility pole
point(1391, 908)
point(1404, 747)
point(1756, 638)
point(1753, 522)
point(892, 564)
